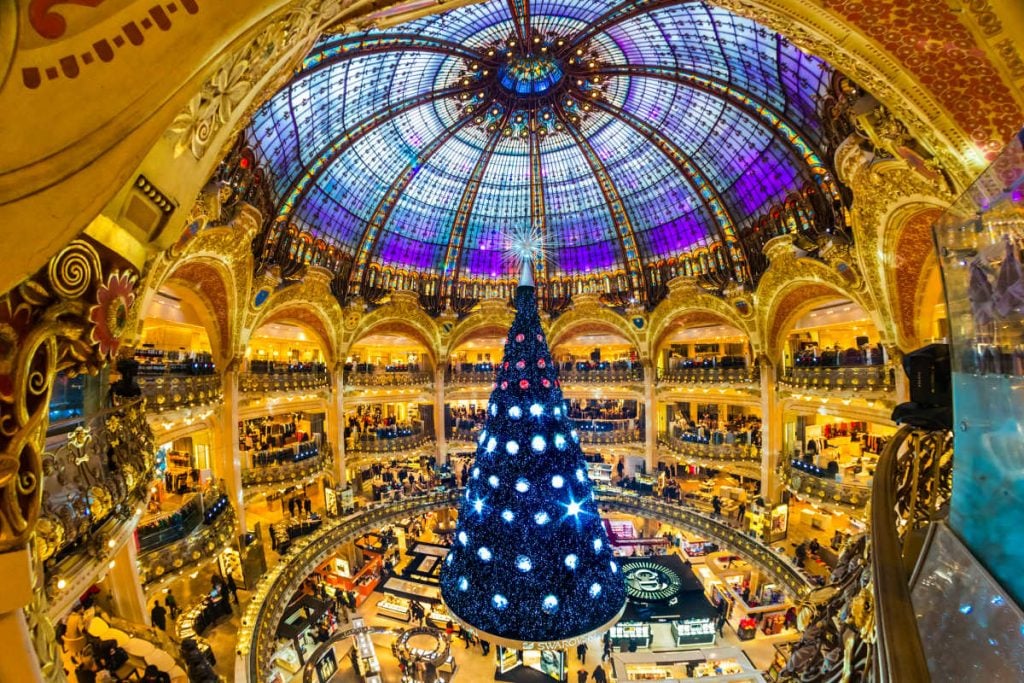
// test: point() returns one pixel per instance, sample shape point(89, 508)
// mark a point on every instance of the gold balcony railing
point(202, 543)
point(389, 379)
point(862, 625)
point(289, 471)
point(601, 376)
point(372, 444)
point(250, 382)
point(823, 488)
point(859, 378)
point(709, 376)
point(734, 452)
point(170, 392)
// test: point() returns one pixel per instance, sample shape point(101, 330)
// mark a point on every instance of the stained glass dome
point(627, 134)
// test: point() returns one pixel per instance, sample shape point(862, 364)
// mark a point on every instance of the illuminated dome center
point(526, 75)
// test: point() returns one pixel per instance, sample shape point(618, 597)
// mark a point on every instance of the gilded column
point(771, 433)
point(336, 424)
point(229, 457)
point(440, 433)
point(126, 587)
point(650, 417)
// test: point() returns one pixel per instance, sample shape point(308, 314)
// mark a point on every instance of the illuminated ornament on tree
point(554, 532)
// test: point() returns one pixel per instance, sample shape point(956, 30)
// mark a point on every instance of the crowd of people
point(370, 422)
point(708, 429)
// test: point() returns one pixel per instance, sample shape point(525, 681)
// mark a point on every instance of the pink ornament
point(520, 337)
point(504, 385)
point(540, 337)
point(523, 384)
point(546, 383)
point(505, 365)
point(521, 364)
point(541, 363)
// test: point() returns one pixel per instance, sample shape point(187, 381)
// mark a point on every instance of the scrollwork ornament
point(74, 270)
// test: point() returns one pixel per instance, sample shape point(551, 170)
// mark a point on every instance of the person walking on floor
point(607, 649)
point(581, 653)
point(485, 647)
point(172, 604)
point(158, 615)
point(599, 675)
point(229, 583)
point(581, 676)
point(741, 510)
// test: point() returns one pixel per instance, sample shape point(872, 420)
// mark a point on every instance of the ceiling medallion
point(536, 89)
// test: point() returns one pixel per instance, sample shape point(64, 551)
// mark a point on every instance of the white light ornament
point(507, 515)
point(573, 508)
point(476, 472)
point(549, 604)
point(493, 481)
point(483, 435)
point(598, 544)
point(538, 444)
point(511, 448)
point(463, 538)
point(595, 590)
point(557, 481)
point(492, 443)
point(463, 584)
point(499, 601)
point(522, 485)
point(484, 553)
point(560, 442)
point(536, 410)
point(515, 412)
point(571, 561)
point(541, 518)
point(524, 564)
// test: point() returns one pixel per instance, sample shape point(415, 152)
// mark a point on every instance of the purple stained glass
point(363, 121)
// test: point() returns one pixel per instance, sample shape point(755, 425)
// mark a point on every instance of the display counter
point(297, 630)
point(363, 582)
point(394, 607)
point(626, 633)
point(691, 632)
point(364, 656)
point(722, 664)
point(600, 472)
point(697, 549)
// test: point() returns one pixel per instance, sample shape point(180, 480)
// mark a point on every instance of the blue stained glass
point(355, 119)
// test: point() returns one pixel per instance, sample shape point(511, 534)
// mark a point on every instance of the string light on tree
point(531, 510)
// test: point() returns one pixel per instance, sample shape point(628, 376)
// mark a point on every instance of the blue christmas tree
point(530, 560)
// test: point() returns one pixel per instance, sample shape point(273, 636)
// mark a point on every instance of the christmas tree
point(530, 561)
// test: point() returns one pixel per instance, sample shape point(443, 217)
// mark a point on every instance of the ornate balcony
point(853, 379)
point(371, 444)
point(470, 377)
point(389, 379)
point(601, 376)
point(251, 382)
point(734, 452)
point(215, 527)
point(817, 483)
point(99, 472)
point(710, 376)
point(170, 392)
point(286, 471)
point(599, 431)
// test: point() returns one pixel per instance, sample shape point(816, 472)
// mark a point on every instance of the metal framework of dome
point(629, 134)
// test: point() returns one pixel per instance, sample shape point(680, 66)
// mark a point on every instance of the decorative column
point(771, 433)
point(440, 430)
point(126, 587)
point(20, 661)
point(650, 417)
point(229, 457)
point(336, 424)
point(894, 363)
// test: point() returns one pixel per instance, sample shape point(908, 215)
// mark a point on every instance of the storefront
point(724, 664)
point(297, 634)
point(551, 663)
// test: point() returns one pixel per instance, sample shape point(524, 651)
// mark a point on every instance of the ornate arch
point(477, 322)
point(909, 245)
point(686, 299)
point(309, 303)
point(590, 312)
point(402, 313)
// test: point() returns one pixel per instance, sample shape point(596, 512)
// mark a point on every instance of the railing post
point(440, 409)
point(771, 433)
point(229, 456)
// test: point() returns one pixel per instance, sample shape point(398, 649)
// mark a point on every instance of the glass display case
point(980, 238)
point(394, 607)
point(600, 472)
point(626, 633)
point(694, 632)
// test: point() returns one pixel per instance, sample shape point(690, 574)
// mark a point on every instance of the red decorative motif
point(110, 313)
point(51, 25)
point(48, 23)
point(943, 54)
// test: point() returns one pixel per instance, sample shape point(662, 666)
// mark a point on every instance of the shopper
point(599, 675)
point(607, 650)
point(716, 506)
point(485, 647)
point(229, 583)
point(172, 604)
point(449, 629)
point(158, 615)
point(741, 510)
point(581, 653)
point(581, 676)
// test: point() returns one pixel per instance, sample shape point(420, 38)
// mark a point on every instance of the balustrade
point(710, 451)
point(824, 487)
point(250, 382)
point(289, 470)
point(843, 378)
point(711, 375)
point(169, 392)
point(389, 379)
point(594, 376)
point(375, 443)
point(100, 470)
point(200, 545)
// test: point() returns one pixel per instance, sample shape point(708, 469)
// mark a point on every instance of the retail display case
point(626, 632)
